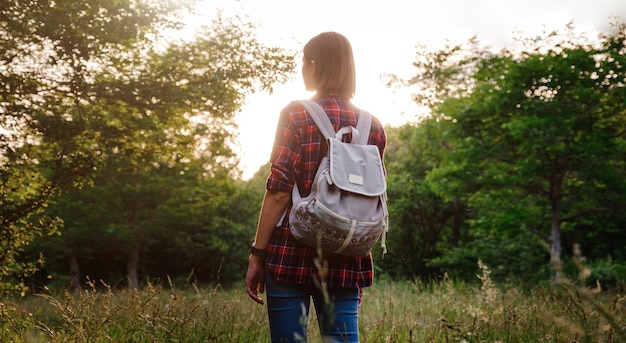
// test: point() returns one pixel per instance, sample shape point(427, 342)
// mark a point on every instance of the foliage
point(534, 147)
point(422, 224)
point(201, 233)
point(93, 93)
point(49, 55)
point(124, 139)
point(205, 230)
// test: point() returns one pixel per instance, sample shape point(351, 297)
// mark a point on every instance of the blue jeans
point(288, 311)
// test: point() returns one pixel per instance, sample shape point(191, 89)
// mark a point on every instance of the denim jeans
point(288, 311)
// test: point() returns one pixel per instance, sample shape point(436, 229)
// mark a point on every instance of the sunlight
point(383, 37)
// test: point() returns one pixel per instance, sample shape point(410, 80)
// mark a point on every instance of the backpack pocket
point(356, 168)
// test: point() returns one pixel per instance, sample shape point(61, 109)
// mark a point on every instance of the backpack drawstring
point(383, 238)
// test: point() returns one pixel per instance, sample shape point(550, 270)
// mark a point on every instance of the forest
point(117, 160)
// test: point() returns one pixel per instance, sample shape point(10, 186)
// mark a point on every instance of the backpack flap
point(356, 168)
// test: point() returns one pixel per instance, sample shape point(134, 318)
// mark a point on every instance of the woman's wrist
point(258, 251)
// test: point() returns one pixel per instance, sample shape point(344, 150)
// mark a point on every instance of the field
point(391, 312)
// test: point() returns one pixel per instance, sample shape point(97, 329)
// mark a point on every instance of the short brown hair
point(334, 63)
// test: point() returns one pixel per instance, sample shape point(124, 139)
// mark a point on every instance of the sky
point(384, 36)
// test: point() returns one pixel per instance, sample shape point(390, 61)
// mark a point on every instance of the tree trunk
point(132, 256)
point(132, 263)
point(555, 245)
point(457, 222)
point(74, 273)
point(556, 184)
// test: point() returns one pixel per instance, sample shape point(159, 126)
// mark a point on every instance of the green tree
point(208, 231)
point(101, 93)
point(538, 138)
point(50, 53)
point(174, 112)
point(422, 223)
point(201, 230)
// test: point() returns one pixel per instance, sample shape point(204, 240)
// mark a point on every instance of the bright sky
point(383, 35)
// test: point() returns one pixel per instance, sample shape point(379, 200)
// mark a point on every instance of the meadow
point(392, 311)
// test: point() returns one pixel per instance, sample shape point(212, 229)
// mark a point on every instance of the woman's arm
point(273, 207)
point(274, 204)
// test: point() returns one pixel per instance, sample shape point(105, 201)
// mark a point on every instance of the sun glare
point(384, 38)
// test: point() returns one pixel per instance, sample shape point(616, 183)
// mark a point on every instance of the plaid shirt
point(297, 152)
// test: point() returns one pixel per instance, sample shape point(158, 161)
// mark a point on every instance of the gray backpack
point(346, 211)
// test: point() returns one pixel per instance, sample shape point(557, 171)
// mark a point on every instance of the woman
point(289, 271)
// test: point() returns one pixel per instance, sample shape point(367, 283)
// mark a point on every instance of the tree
point(186, 114)
point(50, 52)
point(111, 101)
point(537, 137)
point(422, 223)
point(200, 231)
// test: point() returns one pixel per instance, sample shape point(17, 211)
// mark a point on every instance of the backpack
point(346, 211)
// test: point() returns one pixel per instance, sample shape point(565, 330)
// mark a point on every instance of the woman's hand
point(360, 297)
point(255, 278)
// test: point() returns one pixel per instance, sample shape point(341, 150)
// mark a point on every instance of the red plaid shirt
point(297, 152)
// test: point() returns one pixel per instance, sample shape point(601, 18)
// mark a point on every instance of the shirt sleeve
point(285, 155)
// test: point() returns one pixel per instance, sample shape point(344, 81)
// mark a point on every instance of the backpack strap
point(363, 126)
point(320, 118)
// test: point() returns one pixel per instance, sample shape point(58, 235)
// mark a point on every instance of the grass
point(391, 312)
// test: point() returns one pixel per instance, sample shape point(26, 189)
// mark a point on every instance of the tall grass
point(447, 311)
